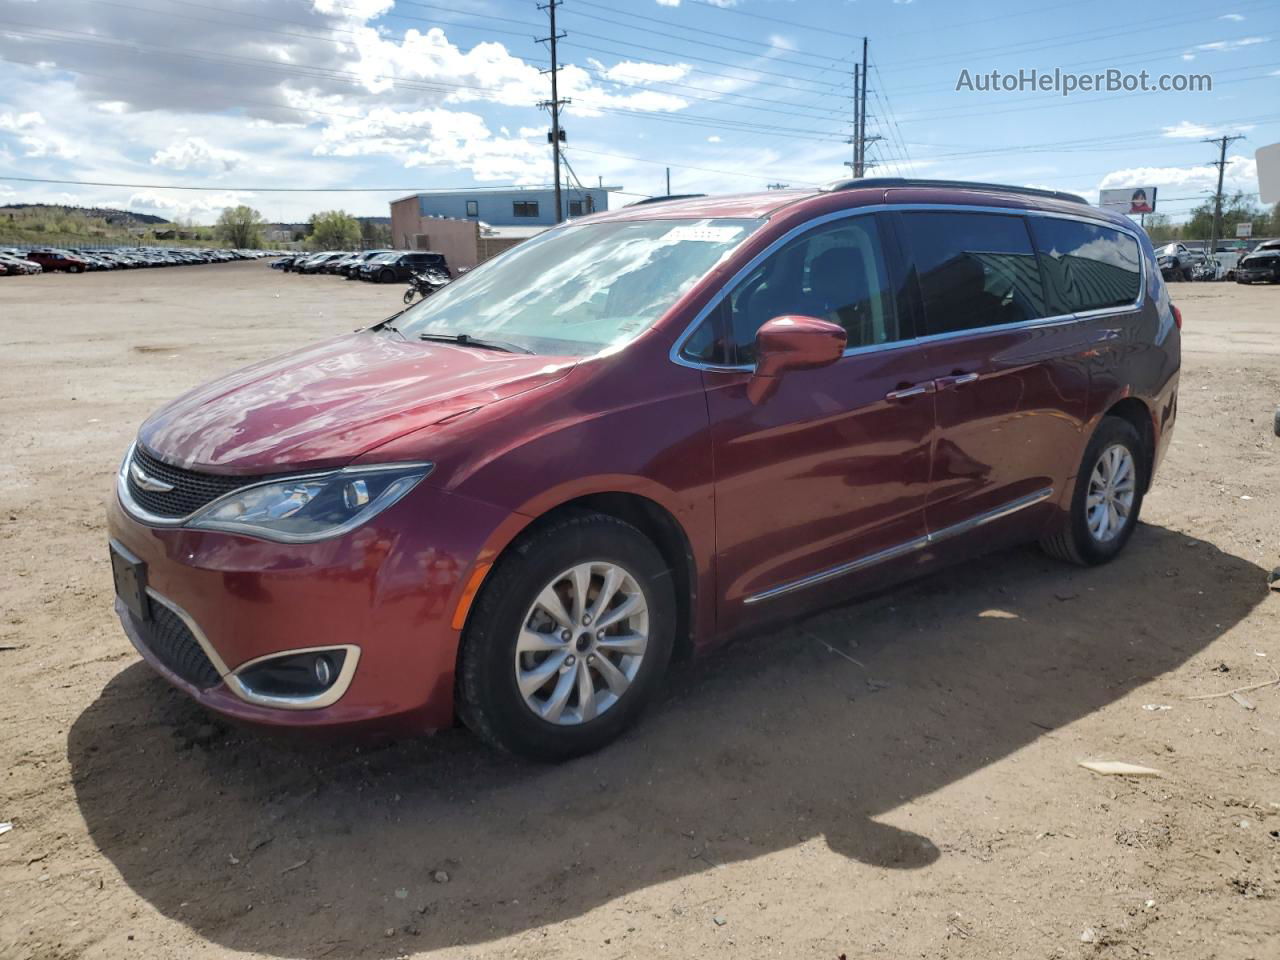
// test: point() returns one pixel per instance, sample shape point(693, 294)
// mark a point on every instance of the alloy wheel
point(581, 643)
point(1112, 488)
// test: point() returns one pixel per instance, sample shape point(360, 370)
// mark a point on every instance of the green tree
point(1236, 208)
point(1160, 230)
point(334, 230)
point(375, 235)
point(241, 227)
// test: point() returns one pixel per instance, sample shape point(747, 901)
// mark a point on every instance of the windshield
point(577, 290)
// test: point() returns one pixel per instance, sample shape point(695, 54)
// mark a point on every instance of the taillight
point(1177, 315)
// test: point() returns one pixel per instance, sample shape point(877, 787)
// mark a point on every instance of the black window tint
point(1086, 267)
point(524, 208)
point(835, 272)
point(975, 270)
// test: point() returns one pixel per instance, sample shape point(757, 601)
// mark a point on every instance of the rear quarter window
point(1086, 266)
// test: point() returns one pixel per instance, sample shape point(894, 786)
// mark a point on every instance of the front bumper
point(388, 591)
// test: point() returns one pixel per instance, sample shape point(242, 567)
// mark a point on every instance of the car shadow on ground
point(306, 849)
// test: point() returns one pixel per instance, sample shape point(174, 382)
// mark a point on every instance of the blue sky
point(234, 95)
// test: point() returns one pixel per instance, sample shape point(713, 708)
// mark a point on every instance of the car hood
point(327, 404)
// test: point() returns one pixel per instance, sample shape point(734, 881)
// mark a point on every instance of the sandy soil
point(896, 778)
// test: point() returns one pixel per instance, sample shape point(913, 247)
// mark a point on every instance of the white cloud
point(1231, 16)
point(1185, 129)
point(1240, 173)
point(713, 139)
point(668, 3)
point(628, 71)
point(185, 204)
point(13, 122)
point(1220, 46)
point(196, 154)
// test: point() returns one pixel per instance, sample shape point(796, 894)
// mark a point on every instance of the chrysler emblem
point(148, 483)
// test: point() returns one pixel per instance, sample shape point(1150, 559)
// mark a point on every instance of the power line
point(483, 93)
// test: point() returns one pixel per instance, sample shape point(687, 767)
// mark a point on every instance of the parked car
point(396, 266)
point(61, 260)
point(1175, 260)
point(284, 263)
point(350, 266)
point(13, 266)
point(316, 263)
point(637, 434)
point(1261, 266)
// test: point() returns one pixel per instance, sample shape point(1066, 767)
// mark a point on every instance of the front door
point(827, 476)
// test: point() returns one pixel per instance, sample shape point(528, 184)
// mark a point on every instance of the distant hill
point(116, 218)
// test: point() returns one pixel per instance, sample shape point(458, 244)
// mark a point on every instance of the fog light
point(294, 675)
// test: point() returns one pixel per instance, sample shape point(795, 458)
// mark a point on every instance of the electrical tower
point(1221, 164)
point(859, 140)
point(556, 136)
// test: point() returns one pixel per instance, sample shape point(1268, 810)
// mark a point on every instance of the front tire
point(569, 639)
point(408, 296)
point(1107, 498)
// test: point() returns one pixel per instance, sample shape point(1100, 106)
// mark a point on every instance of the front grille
point(168, 637)
point(191, 490)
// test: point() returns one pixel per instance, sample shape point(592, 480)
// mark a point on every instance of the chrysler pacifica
point(637, 434)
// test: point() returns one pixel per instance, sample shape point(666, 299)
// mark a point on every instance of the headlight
point(308, 508)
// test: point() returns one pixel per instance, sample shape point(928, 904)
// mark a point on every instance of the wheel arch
point(651, 518)
point(1139, 415)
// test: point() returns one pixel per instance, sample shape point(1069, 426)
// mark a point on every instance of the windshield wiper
point(466, 340)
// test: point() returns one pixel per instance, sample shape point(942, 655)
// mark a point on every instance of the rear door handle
point(955, 380)
point(915, 390)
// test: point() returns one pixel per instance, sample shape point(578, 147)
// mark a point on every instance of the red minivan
point(637, 434)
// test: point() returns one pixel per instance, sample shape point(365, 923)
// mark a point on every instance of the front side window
point(579, 289)
point(975, 270)
point(1086, 267)
point(834, 272)
point(524, 208)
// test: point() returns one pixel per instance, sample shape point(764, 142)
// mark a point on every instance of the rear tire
point(1107, 498)
point(386, 276)
point(554, 721)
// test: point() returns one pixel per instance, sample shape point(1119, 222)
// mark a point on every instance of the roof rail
point(674, 196)
point(886, 182)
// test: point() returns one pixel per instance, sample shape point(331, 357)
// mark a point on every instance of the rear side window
point(974, 269)
point(1086, 267)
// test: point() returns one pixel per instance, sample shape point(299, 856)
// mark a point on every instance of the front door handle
point(955, 380)
point(915, 390)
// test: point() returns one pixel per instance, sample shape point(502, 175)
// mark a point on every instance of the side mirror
point(793, 343)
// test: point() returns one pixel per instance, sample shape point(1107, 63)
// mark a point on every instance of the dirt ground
point(897, 778)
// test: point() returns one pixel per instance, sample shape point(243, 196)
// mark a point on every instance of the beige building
point(464, 242)
point(458, 240)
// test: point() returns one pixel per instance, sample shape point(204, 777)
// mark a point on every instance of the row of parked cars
point(1260, 265)
point(15, 262)
point(376, 266)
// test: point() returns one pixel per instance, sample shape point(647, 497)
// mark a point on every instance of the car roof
point(855, 193)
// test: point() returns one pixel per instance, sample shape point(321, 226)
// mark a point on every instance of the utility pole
point(555, 103)
point(859, 164)
point(1221, 164)
point(862, 116)
point(668, 181)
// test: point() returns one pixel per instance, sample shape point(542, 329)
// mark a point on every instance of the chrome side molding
point(902, 549)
